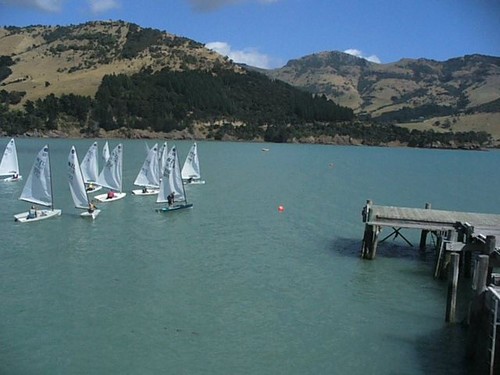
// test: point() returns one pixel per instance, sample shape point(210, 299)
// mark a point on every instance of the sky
point(269, 33)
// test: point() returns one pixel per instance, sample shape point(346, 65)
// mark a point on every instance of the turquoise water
point(234, 286)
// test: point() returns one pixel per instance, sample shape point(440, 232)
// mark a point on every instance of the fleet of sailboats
point(160, 174)
point(172, 189)
point(191, 168)
point(77, 187)
point(38, 190)
point(9, 165)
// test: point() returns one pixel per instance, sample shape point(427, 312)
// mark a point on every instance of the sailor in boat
point(32, 212)
point(170, 199)
point(90, 187)
point(111, 194)
point(15, 176)
point(91, 207)
point(144, 189)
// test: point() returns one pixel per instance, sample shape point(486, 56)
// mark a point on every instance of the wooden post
point(480, 275)
point(423, 235)
point(366, 211)
point(370, 240)
point(467, 264)
point(479, 288)
point(489, 249)
point(490, 245)
point(451, 300)
point(368, 234)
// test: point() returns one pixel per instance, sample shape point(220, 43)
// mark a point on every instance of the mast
point(184, 192)
point(80, 168)
point(50, 174)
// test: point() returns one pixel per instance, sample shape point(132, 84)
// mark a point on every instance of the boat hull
point(94, 189)
point(149, 192)
point(40, 215)
point(90, 215)
point(12, 179)
point(104, 197)
point(175, 207)
point(194, 182)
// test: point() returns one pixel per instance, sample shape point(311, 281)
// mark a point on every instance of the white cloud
point(209, 5)
point(46, 5)
point(249, 56)
point(100, 6)
point(358, 53)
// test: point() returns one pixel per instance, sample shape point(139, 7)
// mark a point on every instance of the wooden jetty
point(459, 236)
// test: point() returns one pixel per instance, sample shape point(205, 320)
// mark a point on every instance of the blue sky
point(268, 33)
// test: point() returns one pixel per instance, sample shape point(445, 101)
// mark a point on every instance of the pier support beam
point(370, 241)
point(370, 237)
point(423, 235)
point(451, 300)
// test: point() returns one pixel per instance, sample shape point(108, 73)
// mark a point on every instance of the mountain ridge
point(459, 94)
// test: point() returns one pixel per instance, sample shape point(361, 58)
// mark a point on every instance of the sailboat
point(77, 187)
point(9, 165)
point(171, 187)
point(111, 177)
point(162, 154)
point(38, 190)
point(90, 169)
point(149, 174)
point(105, 152)
point(191, 168)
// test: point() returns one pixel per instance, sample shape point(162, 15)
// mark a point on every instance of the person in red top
point(111, 194)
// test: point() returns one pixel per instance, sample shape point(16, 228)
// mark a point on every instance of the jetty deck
point(432, 220)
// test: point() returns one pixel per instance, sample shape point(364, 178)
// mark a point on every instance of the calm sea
point(234, 286)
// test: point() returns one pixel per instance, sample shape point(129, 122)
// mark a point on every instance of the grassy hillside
point(74, 59)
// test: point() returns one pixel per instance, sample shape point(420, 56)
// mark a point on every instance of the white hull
point(90, 215)
point(12, 179)
point(40, 215)
point(94, 189)
point(104, 197)
point(194, 182)
point(149, 192)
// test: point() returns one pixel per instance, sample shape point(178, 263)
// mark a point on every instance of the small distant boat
point(149, 174)
point(191, 168)
point(265, 149)
point(171, 187)
point(9, 165)
point(38, 190)
point(90, 169)
point(111, 176)
point(162, 158)
point(105, 152)
point(77, 187)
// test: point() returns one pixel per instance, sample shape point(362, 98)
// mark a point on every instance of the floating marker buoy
point(281, 208)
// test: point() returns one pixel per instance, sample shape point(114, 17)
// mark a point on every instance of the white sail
point(162, 154)
point(38, 187)
point(89, 165)
point(191, 167)
point(149, 174)
point(111, 174)
point(172, 180)
point(76, 182)
point(9, 165)
point(105, 152)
